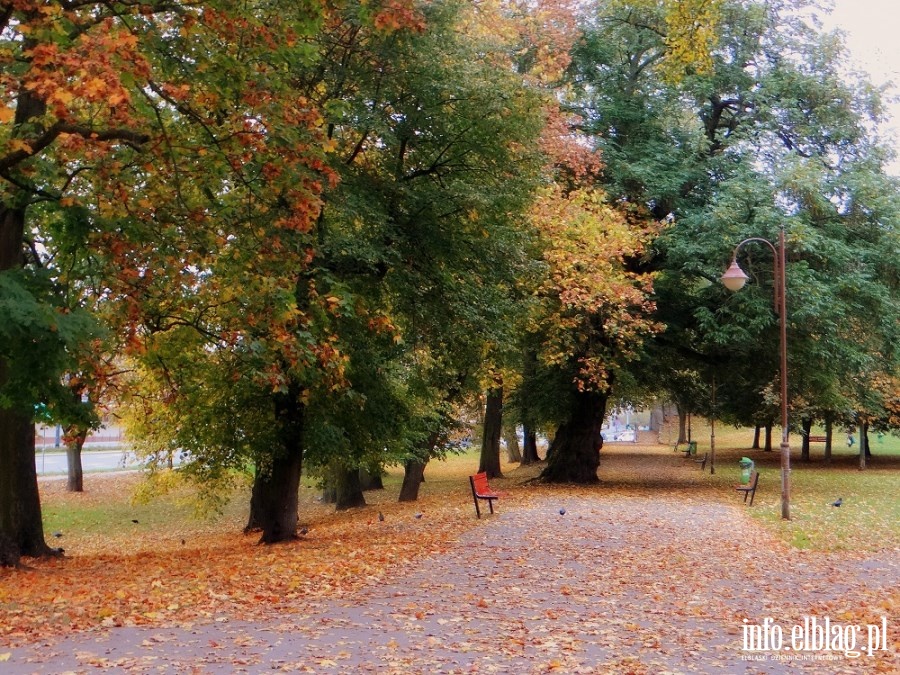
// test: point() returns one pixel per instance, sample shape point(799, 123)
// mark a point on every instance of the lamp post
point(734, 280)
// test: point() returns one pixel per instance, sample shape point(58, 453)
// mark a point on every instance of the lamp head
point(734, 277)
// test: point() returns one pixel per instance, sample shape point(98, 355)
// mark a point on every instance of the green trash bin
point(692, 447)
point(746, 469)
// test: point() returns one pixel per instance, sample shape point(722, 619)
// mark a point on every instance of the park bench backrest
point(480, 484)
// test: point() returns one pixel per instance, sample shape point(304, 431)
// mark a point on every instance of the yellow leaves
point(691, 36)
point(94, 88)
point(61, 96)
point(18, 145)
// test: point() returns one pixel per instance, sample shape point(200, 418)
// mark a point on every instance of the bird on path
point(380, 517)
point(840, 500)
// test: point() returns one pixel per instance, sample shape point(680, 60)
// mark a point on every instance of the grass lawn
point(101, 519)
point(868, 519)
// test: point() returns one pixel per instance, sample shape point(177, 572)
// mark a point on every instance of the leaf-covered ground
point(655, 570)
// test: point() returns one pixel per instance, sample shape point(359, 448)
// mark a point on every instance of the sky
point(872, 28)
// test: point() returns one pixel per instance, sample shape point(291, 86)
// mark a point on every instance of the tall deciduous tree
point(596, 314)
point(151, 120)
point(770, 134)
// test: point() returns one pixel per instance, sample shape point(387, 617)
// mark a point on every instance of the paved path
point(630, 584)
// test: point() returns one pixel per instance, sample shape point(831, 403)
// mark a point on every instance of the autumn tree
point(65, 111)
point(596, 313)
point(149, 123)
point(435, 143)
point(770, 134)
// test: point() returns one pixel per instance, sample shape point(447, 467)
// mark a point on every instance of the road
point(50, 463)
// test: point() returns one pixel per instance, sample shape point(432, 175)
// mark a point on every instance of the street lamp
point(734, 280)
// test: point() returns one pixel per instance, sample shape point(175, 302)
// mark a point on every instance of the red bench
point(481, 490)
point(749, 488)
point(817, 439)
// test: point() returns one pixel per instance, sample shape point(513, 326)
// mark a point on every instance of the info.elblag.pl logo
point(816, 634)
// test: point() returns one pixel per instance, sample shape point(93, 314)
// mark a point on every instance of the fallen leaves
point(148, 577)
point(631, 581)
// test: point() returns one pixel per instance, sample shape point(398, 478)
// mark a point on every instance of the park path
point(618, 583)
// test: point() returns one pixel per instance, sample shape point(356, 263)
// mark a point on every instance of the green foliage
point(38, 338)
point(772, 134)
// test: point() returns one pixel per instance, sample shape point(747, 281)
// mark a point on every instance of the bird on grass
point(57, 534)
point(838, 502)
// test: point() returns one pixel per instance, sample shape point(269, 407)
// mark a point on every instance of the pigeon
point(562, 512)
point(57, 534)
point(418, 515)
point(840, 500)
point(135, 520)
point(380, 517)
point(304, 530)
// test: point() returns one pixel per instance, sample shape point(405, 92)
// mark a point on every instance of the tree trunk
point(863, 444)
point(756, 431)
point(806, 424)
point(529, 448)
point(21, 528)
point(490, 442)
point(768, 438)
point(413, 475)
point(74, 444)
point(657, 418)
point(682, 425)
point(371, 478)
point(349, 489)
point(274, 499)
point(513, 453)
point(329, 494)
point(575, 454)
point(414, 470)
point(828, 438)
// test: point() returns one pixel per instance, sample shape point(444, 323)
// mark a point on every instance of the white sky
point(872, 30)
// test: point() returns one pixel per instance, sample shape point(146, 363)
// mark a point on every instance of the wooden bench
point(749, 488)
point(817, 439)
point(702, 461)
point(481, 490)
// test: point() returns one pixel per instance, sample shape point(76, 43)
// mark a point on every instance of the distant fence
point(50, 437)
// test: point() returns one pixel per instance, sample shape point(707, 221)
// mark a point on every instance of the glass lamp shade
point(734, 277)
